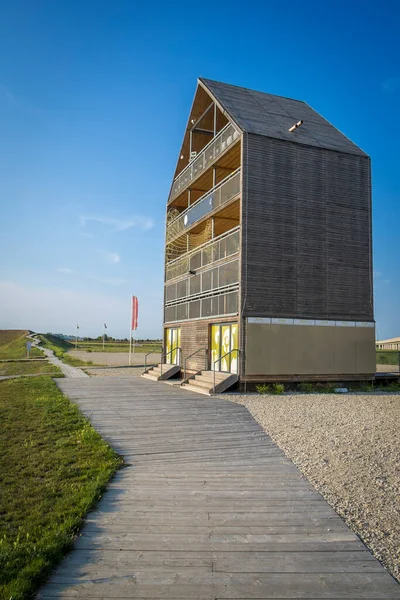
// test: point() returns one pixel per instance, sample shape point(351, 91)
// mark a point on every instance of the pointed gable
point(272, 116)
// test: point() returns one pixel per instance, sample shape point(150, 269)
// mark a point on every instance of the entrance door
point(172, 345)
point(224, 339)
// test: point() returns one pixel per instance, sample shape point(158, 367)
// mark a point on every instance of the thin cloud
point(112, 258)
point(118, 224)
point(66, 270)
point(18, 103)
point(106, 280)
point(7, 93)
point(391, 85)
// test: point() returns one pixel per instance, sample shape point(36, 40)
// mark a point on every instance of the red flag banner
point(135, 313)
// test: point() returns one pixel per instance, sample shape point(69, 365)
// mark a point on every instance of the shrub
point(274, 388)
point(391, 387)
point(327, 388)
point(305, 387)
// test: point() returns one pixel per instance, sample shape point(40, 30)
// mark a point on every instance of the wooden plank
point(216, 511)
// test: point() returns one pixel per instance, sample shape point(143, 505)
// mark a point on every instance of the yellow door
point(168, 338)
point(234, 345)
point(172, 345)
point(215, 347)
point(224, 340)
point(225, 348)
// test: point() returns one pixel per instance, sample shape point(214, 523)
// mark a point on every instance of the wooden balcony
point(213, 151)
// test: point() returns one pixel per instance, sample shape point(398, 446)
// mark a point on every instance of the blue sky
point(94, 98)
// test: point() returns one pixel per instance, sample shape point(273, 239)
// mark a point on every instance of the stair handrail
point(168, 353)
point(219, 360)
point(145, 359)
point(190, 356)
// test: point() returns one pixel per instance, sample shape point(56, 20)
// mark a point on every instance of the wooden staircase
point(168, 371)
point(203, 382)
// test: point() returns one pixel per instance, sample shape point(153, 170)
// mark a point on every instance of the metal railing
point(220, 247)
point(220, 277)
point(219, 360)
point(216, 197)
point(214, 148)
point(175, 349)
point(145, 359)
point(214, 304)
point(190, 356)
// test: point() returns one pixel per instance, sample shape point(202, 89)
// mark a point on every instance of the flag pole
point(130, 332)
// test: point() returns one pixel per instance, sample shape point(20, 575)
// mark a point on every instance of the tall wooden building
point(268, 251)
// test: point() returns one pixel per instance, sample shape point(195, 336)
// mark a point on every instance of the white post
point(104, 335)
point(76, 339)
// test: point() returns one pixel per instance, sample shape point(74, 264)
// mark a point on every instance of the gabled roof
point(272, 116)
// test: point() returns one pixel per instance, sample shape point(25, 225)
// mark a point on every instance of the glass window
point(194, 309)
point(194, 283)
point(206, 307)
point(182, 311)
point(206, 281)
point(181, 289)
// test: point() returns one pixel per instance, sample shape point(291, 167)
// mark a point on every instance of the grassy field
point(117, 347)
point(53, 468)
point(387, 357)
point(60, 348)
point(13, 344)
point(28, 368)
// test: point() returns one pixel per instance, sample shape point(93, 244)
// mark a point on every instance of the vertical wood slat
point(306, 217)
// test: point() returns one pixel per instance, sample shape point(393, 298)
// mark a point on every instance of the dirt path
point(115, 359)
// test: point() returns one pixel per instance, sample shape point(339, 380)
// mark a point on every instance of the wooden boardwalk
point(208, 508)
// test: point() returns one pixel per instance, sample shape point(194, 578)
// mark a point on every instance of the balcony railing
point(207, 156)
point(218, 305)
point(223, 275)
point(223, 192)
point(221, 247)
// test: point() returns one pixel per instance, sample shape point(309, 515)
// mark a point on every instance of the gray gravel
point(114, 372)
point(348, 446)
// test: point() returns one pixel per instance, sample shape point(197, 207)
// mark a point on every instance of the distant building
point(391, 344)
point(268, 252)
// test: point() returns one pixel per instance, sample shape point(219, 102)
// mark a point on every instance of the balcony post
point(215, 119)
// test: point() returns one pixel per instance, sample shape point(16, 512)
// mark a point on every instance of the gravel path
point(66, 369)
point(387, 368)
point(348, 446)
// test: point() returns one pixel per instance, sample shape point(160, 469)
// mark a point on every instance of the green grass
point(60, 348)
point(13, 344)
point(53, 468)
point(28, 368)
point(387, 357)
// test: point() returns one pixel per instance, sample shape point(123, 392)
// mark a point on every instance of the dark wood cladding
point(306, 239)
point(194, 335)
